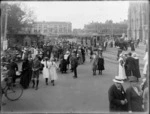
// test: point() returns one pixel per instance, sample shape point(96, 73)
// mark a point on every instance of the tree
point(17, 18)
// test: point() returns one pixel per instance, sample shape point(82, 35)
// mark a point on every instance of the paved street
point(87, 93)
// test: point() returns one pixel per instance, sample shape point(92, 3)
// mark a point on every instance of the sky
point(79, 13)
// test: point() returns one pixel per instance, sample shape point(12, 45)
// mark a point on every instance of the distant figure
point(94, 64)
point(74, 64)
point(132, 45)
point(100, 64)
point(46, 74)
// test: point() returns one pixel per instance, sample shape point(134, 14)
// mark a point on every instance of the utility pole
point(5, 29)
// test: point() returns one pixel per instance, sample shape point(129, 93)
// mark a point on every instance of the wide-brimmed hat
point(135, 55)
point(118, 80)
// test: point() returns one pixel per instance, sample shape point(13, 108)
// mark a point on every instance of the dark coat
point(115, 97)
point(136, 73)
point(63, 65)
point(134, 101)
point(25, 78)
point(13, 67)
point(100, 63)
point(132, 46)
point(74, 62)
point(130, 66)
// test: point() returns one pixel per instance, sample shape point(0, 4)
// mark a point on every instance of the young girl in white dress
point(52, 69)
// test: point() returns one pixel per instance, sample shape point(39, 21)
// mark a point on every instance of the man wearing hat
point(130, 65)
point(74, 64)
point(134, 95)
point(117, 96)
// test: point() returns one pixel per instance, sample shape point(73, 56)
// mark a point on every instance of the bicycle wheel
point(14, 93)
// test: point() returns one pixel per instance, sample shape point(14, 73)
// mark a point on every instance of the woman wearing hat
point(134, 95)
point(122, 74)
point(46, 74)
point(117, 96)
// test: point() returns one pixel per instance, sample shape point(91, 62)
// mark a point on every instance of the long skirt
point(25, 79)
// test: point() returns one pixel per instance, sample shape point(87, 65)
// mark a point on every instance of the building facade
point(107, 28)
point(138, 20)
point(50, 28)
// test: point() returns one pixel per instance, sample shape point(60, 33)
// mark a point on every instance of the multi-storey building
point(51, 28)
point(138, 19)
point(108, 28)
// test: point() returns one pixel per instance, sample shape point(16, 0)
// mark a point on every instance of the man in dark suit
point(130, 65)
point(74, 64)
point(117, 96)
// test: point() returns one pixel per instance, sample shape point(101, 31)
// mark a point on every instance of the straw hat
point(117, 79)
point(134, 55)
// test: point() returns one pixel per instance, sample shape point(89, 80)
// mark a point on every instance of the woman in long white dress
point(121, 73)
point(46, 73)
point(146, 64)
point(52, 69)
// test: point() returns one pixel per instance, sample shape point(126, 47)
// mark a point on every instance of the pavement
point(87, 93)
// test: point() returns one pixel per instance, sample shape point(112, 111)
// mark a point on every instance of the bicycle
point(12, 92)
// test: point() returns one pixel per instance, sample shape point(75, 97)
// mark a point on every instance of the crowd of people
point(64, 56)
point(44, 60)
point(135, 98)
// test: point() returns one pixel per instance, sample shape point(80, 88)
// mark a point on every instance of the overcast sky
point(79, 12)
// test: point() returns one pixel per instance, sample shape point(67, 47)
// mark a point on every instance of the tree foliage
point(17, 18)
